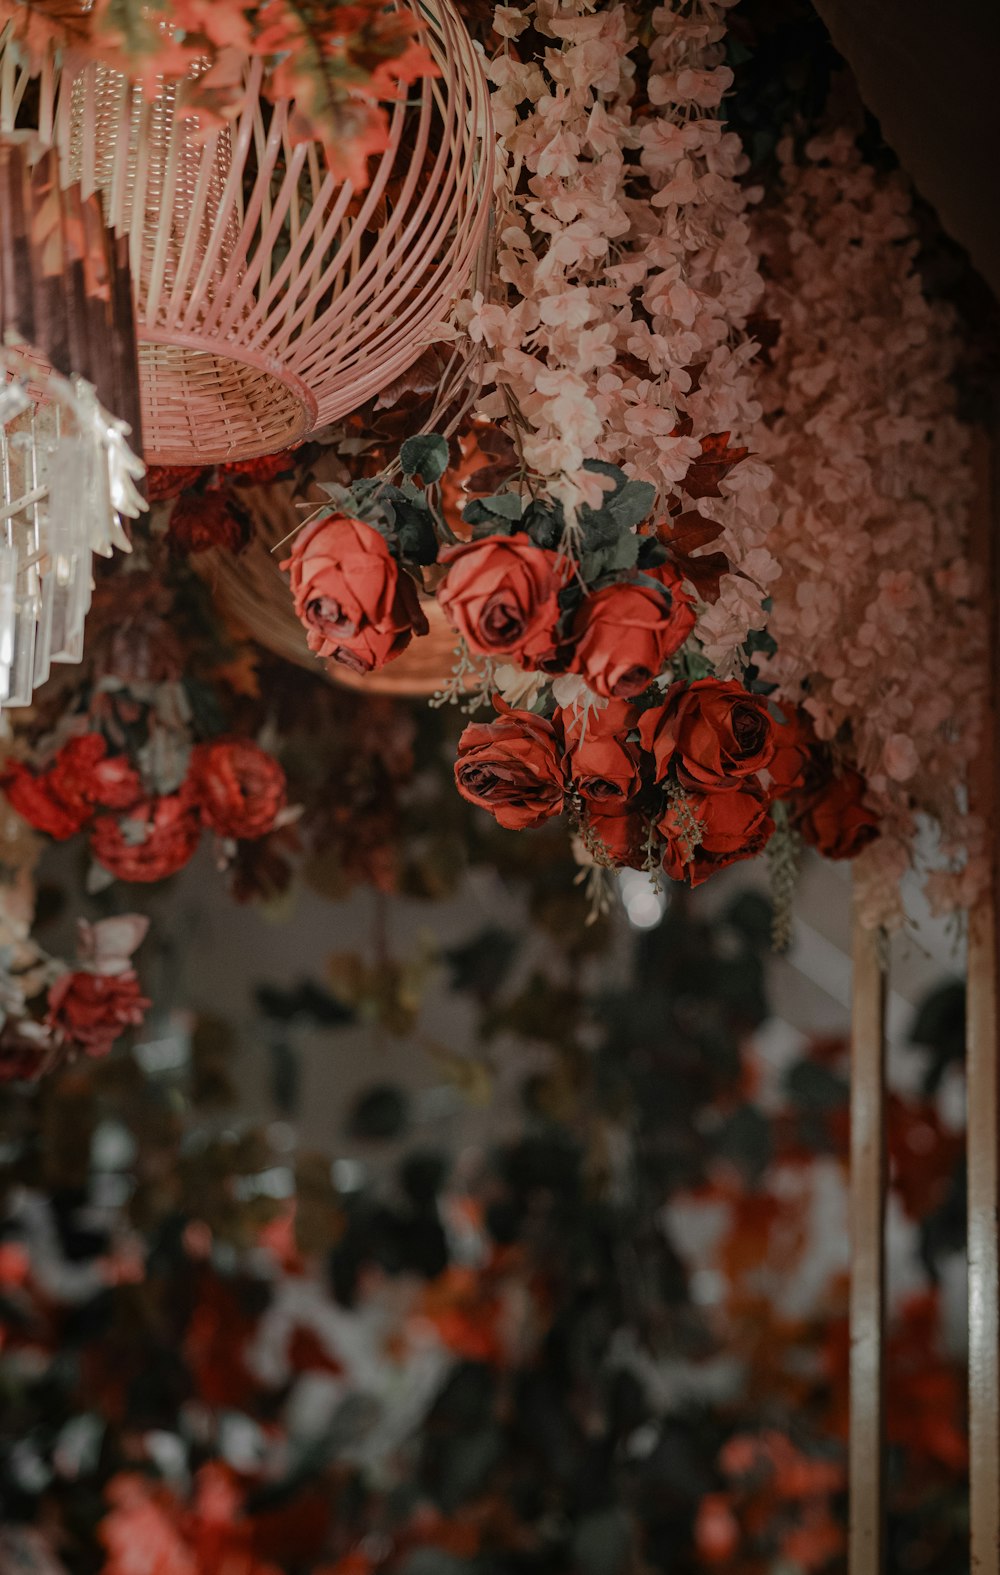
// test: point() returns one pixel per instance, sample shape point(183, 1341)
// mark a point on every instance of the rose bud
point(513, 768)
point(713, 733)
point(604, 768)
point(501, 594)
point(625, 633)
point(357, 605)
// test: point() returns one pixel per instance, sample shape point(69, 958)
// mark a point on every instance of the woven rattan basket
point(271, 298)
point(250, 590)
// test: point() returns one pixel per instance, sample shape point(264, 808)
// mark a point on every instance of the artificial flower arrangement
point(580, 630)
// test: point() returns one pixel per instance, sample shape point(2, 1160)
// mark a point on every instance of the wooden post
point(983, 1087)
point(868, 1185)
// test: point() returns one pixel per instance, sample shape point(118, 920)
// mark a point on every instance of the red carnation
point(201, 520)
point(156, 839)
point(239, 787)
point(35, 800)
point(84, 771)
point(91, 1010)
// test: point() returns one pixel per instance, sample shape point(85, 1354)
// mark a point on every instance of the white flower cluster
point(626, 274)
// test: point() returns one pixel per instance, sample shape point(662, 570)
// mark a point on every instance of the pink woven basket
point(271, 298)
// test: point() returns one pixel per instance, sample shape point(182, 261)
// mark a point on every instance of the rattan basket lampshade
point(270, 297)
point(250, 589)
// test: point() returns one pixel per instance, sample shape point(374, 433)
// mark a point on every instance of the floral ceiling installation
point(873, 483)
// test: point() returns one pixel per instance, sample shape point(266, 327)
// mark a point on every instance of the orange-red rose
point(92, 1009)
point(733, 826)
point(712, 733)
point(603, 766)
point(513, 768)
point(502, 596)
point(357, 605)
point(239, 787)
point(623, 836)
point(156, 838)
point(793, 741)
point(624, 634)
point(835, 819)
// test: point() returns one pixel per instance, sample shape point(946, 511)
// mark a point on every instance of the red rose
point(512, 767)
point(92, 1009)
point(156, 839)
point(733, 826)
point(358, 606)
point(625, 633)
point(258, 472)
point(603, 766)
point(502, 595)
point(622, 836)
point(201, 520)
point(713, 732)
point(835, 819)
point(793, 741)
point(240, 788)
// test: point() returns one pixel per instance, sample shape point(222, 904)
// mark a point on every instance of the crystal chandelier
point(68, 477)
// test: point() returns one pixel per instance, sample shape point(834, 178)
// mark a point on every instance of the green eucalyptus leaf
point(633, 503)
point(426, 456)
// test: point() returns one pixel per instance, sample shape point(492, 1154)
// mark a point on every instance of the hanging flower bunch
point(53, 1010)
point(579, 633)
point(340, 63)
point(873, 483)
point(138, 756)
point(623, 329)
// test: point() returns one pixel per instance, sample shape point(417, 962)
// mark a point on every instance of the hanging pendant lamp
point(272, 298)
point(67, 357)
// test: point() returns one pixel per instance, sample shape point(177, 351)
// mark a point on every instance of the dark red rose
point(168, 481)
point(625, 633)
point(27, 1050)
point(835, 819)
point(502, 596)
point(712, 733)
point(92, 1010)
point(603, 766)
point(733, 826)
point(156, 839)
point(239, 787)
point(622, 836)
point(35, 801)
point(200, 520)
point(513, 768)
point(358, 606)
point(262, 470)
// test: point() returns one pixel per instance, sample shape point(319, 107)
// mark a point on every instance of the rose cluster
point(687, 783)
point(232, 787)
